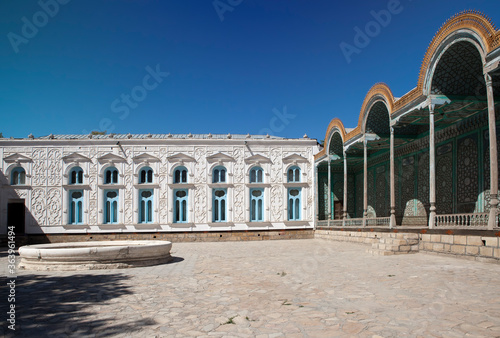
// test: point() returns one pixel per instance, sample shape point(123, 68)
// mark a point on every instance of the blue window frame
point(146, 175)
point(294, 195)
point(111, 176)
point(257, 205)
point(219, 205)
point(181, 206)
point(146, 206)
point(76, 176)
point(180, 175)
point(219, 175)
point(18, 176)
point(111, 198)
point(256, 175)
point(75, 207)
point(294, 174)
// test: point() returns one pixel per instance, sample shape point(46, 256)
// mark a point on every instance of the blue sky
point(192, 66)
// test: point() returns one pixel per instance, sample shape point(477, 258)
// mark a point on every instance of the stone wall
point(382, 243)
point(48, 163)
point(475, 247)
point(177, 237)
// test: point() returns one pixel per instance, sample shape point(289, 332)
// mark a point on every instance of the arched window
point(180, 206)
point(256, 175)
point(111, 176)
point(75, 207)
point(76, 176)
point(219, 205)
point(294, 174)
point(146, 175)
point(180, 175)
point(219, 175)
point(294, 195)
point(111, 199)
point(18, 176)
point(146, 206)
point(257, 205)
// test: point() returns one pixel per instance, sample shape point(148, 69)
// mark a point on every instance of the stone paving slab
point(299, 288)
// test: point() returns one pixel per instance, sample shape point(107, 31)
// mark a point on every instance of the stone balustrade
point(354, 222)
point(465, 221)
point(378, 222)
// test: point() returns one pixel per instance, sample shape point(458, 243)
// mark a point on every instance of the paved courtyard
point(300, 288)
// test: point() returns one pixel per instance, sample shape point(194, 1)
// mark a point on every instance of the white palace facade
point(77, 184)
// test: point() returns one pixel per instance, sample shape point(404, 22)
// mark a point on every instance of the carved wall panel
point(444, 179)
point(338, 188)
point(129, 213)
point(322, 195)
point(382, 203)
point(423, 184)
point(487, 169)
point(277, 206)
point(93, 182)
point(239, 203)
point(38, 205)
point(351, 196)
point(128, 179)
point(239, 188)
point(200, 174)
point(371, 189)
point(20, 193)
point(54, 166)
point(359, 195)
point(200, 204)
point(276, 166)
point(239, 167)
point(408, 186)
point(39, 174)
point(467, 174)
point(54, 206)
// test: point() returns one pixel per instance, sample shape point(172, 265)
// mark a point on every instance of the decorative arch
point(70, 167)
point(456, 69)
point(377, 118)
point(143, 165)
point(13, 166)
point(471, 25)
point(106, 166)
point(378, 92)
point(293, 174)
point(335, 145)
point(256, 167)
point(147, 177)
point(335, 125)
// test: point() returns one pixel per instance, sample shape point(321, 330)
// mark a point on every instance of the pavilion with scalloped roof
point(429, 158)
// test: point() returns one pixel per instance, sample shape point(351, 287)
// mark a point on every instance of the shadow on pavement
point(59, 306)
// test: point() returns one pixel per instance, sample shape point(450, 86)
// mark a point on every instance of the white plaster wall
point(47, 198)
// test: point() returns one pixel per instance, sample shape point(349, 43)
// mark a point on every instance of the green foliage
point(230, 321)
point(96, 132)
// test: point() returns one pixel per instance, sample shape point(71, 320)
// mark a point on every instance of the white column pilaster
point(392, 222)
point(493, 154)
point(329, 191)
point(345, 188)
point(365, 181)
point(432, 168)
point(316, 196)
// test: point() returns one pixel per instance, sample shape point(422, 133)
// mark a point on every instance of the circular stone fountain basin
point(94, 255)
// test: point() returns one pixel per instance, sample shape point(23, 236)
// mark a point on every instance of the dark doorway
point(15, 216)
point(338, 210)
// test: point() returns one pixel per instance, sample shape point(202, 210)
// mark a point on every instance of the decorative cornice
point(16, 158)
